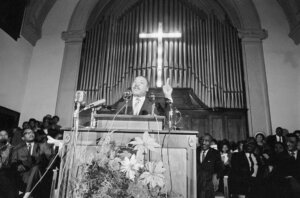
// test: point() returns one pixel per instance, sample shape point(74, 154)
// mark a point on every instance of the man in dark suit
point(294, 165)
point(139, 104)
point(7, 181)
point(30, 159)
point(242, 176)
point(209, 168)
point(278, 137)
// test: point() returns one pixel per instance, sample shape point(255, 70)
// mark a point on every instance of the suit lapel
point(145, 107)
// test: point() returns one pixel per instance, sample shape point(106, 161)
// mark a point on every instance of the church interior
point(233, 67)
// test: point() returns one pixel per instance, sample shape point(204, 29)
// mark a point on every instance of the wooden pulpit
point(178, 154)
point(129, 122)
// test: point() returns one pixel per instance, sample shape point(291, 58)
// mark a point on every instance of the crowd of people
point(24, 157)
point(259, 167)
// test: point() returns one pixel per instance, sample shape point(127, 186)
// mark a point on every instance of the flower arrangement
point(115, 172)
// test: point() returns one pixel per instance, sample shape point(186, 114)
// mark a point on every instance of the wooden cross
point(160, 35)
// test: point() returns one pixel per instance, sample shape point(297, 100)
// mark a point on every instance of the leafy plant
point(115, 172)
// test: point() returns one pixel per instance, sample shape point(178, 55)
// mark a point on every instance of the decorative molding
point(31, 33)
point(253, 34)
point(35, 15)
point(73, 36)
point(295, 34)
point(291, 9)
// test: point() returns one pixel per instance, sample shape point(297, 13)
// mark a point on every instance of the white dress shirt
point(279, 139)
point(294, 153)
point(137, 108)
point(255, 166)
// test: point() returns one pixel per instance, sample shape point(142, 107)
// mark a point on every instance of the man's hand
point(215, 181)
point(167, 89)
point(21, 168)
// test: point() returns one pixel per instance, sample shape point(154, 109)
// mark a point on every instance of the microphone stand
point(170, 117)
point(126, 106)
point(93, 119)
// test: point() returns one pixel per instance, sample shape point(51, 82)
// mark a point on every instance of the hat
point(259, 133)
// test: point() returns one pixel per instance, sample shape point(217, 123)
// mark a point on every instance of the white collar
point(140, 97)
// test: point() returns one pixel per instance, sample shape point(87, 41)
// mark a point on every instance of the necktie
point(251, 164)
point(293, 154)
point(29, 148)
point(280, 139)
point(203, 156)
point(136, 104)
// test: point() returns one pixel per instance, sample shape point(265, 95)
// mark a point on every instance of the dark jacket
point(161, 107)
point(240, 174)
point(41, 155)
point(212, 164)
point(271, 140)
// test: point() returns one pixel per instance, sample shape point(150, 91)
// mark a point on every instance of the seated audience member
point(7, 183)
point(294, 173)
point(276, 184)
point(226, 157)
point(41, 135)
point(243, 173)
point(30, 159)
point(25, 125)
point(239, 147)
point(297, 133)
point(54, 123)
point(214, 144)
point(31, 123)
point(38, 125)
point(209, 168)
point(278, 137)
point(233, 145)
point(17, 136)
point(260, 141)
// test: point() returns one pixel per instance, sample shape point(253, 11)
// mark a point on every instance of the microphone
point(80, 97)
point(152, 98)
point(94, 104)
point(127, 95)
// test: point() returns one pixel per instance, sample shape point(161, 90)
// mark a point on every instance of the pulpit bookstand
point(179, 154)
point(129, 122)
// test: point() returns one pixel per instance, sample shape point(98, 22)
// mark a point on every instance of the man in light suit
point(30, 159)
point(209, 168)
point(139, 104)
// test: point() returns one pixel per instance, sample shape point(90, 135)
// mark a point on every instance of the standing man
point(294, 165)
point(278, 137)
point(209, 168)
point(244, 167)
point(138, 104)
point(7, 183)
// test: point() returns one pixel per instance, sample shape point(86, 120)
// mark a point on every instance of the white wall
point(282, 59)
point(15, 59)
point(43, 78)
